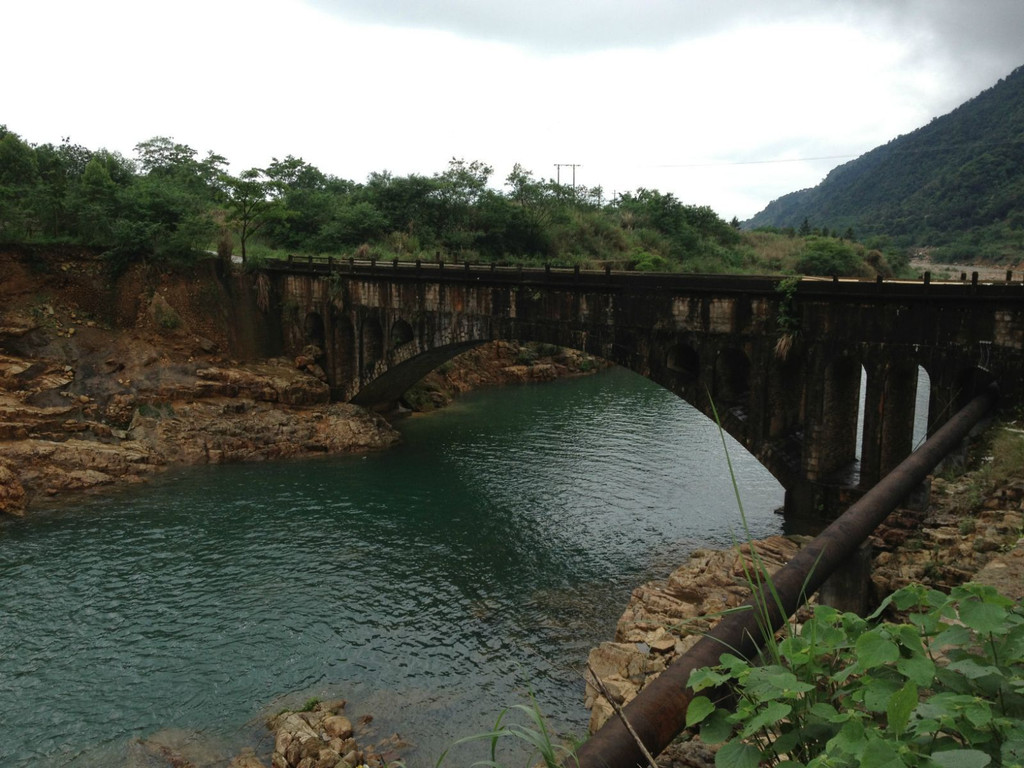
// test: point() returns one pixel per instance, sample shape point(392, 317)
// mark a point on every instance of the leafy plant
point(787, 316)
point(944, 687)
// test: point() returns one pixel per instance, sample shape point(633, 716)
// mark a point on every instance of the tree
point(161, 158)
point(409, 204)
point(250, 205)
point(294, 173)
point(523, 188)
point(19, 177)
point(60, 171)
point(351, 224)
point(159, 218)
point(458, 191)
point(93, 202)
point(307, 201)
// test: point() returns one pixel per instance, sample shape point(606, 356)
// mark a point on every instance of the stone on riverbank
point(323, 737)
point(666, 618)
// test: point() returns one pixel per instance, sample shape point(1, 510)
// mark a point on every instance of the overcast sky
point(723, 103)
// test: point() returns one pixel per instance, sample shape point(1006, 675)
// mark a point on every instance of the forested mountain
point(956, 184)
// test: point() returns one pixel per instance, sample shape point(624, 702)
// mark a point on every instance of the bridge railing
point(467, 272)
point(609, 279)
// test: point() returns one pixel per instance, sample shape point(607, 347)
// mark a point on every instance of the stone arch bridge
point(780, 360)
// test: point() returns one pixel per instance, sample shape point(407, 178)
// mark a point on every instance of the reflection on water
point(431, 585)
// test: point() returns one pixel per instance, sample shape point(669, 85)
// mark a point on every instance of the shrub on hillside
point(826, 256)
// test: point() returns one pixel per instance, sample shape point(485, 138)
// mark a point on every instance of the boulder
point(338, 726)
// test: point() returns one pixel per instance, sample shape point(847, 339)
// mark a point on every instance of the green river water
point(431, 585)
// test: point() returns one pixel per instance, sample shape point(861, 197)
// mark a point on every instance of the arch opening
point(371, 346)
point(861, 401)
point(732, 377)
point(401, 333)
point(922, 406)
point(682, 358)
point(969, 384)
point(341, 356)
point(313, 329)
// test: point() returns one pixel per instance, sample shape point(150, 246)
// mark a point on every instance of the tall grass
point(534, 733)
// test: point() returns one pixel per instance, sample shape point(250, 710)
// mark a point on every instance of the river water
point(431, 585)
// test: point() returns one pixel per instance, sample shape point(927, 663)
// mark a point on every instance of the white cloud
point(669, 94)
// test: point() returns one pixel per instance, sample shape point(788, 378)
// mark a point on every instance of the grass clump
point(534, 733)
point(1006, 450)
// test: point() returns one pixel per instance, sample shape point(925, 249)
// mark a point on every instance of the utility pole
point(558, 172)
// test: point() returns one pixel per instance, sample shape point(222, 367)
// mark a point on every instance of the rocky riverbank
point(107, 381)
point(319, 735)
point(61, 429)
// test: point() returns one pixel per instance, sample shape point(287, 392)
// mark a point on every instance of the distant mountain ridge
point(956, 183)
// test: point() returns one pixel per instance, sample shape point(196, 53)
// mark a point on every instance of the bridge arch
point(888, 433)
point(721, 390)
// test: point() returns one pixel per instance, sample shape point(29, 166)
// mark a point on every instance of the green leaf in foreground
point(700, 707)
point(736, 754)
point(961, 758)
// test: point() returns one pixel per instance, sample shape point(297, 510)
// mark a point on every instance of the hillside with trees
point(955, 186)
point(171, 205)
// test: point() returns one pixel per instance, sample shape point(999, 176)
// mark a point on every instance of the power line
point(753, 162)
point(896, 150)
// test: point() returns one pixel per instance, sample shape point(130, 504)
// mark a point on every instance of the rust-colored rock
point(12, 494)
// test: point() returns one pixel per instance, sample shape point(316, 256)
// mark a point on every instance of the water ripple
point(434, 584)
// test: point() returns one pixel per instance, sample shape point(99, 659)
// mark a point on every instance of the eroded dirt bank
point(105, 381)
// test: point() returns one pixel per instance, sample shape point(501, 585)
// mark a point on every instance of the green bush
point(825, 256)
point(943, 688)
point(645, 261)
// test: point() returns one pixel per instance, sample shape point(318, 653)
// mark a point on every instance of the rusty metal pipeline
point(658, 713)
